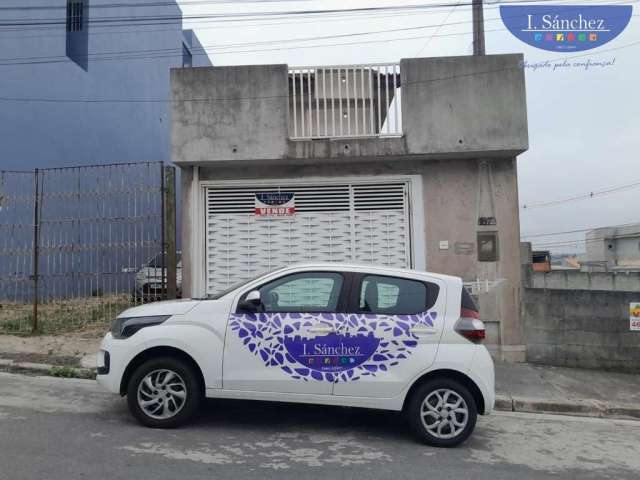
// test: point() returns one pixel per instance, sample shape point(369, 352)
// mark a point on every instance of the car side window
point(395, 296)
point(303, 292)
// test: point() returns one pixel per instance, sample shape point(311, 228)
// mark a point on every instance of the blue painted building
point(87, 81)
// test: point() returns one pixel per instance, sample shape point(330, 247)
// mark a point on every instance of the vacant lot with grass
point(63, 315)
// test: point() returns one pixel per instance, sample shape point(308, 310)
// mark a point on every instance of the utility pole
point(478, 27)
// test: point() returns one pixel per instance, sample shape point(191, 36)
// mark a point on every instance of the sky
point(584, 125)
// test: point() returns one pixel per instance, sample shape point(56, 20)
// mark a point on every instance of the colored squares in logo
point(327, 360)
point(559, 37)
point(537, 37)
point(344, 360)
point(582, 37)
point(571, 37)
point(593, 37)
point(549, 37)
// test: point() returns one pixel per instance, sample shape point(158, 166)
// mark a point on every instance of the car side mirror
point(252, 302)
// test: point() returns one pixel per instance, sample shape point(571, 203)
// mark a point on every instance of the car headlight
point(125, 327)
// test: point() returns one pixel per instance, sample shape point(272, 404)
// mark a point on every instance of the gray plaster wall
point(452, 108)
point(581, 328)
point(236, 112)
point(464, 104)
point(577, 280)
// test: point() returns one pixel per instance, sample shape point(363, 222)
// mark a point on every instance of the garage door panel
point(381, 237)
point(364, 223)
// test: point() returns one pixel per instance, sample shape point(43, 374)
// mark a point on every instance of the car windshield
point(215, 296)
point(156, 262)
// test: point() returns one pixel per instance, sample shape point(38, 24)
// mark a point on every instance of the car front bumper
point(112, 362)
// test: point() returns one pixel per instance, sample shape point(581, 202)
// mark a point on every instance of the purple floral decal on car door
point(349, 347)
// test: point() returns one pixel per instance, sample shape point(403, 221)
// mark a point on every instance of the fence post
point(36, 251)
point(170, 233)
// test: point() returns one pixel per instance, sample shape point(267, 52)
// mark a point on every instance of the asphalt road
point(69, 429)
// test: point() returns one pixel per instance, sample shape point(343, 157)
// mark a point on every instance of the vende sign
point(275, 204)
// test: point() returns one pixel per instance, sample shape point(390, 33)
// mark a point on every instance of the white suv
point(330, 334)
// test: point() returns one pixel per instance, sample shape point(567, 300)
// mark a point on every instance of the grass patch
point(71, 372)
point(65, 315)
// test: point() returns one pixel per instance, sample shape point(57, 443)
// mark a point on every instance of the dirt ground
point(66, 349)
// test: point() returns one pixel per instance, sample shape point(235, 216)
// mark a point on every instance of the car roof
point(367, 268)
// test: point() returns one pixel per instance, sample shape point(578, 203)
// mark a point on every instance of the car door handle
point(424, 331)
point(321, 330)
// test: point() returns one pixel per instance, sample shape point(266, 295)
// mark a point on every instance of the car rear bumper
point(483, 374)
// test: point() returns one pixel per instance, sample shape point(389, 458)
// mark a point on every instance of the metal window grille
point(75, 16)
point(345, 101)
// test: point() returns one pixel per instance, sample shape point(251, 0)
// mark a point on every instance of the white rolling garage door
point(362, 223)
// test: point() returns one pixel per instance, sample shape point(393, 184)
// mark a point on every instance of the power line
point(222, 27)
point(211, 99)
point(582, 196)
point(159, 53)
point(181, 18)
point(437, 29)
point(137, 19)
point(213, 48)
point(147, 4)
point(293, 21)
point(216, 49)
point(580, 230)
point(579, 242)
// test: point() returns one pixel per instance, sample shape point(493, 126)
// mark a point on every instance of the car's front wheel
point(442, 413)
point(164, 393)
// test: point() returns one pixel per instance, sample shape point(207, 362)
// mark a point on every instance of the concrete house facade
point(611, 249)
point(409, 165)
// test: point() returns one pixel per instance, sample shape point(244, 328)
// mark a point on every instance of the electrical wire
point(159, 53)
point(582, 196)
point(216, 49)
point(253, 15)
point(580, 230)
point(214, 99)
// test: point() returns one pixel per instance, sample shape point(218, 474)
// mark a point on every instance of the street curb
point(579, 408)
point(504, 403)
point(63, 371)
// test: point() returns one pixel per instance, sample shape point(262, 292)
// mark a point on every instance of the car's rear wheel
point(442, 413)
point(164, 393)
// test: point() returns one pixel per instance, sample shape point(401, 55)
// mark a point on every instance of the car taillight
point(470, 326)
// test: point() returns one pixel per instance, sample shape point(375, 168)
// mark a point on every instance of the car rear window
point(395, 296)
point(467, 301)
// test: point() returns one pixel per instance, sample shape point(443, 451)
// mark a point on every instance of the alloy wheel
point(162, 394)
point(444, 413)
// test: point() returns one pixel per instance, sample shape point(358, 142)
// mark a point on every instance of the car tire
point(164, 393)
point(442, 413)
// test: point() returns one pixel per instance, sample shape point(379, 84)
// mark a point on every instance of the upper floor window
point(77, 32)
point(187, 57)
point(75, 16)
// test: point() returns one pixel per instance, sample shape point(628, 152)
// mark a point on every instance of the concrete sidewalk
point(525, 387)
point(520, 387)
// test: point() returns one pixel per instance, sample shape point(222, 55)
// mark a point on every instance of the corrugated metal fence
point(80, 244)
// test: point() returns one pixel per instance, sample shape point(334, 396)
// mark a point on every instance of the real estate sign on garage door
point(331, 222)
